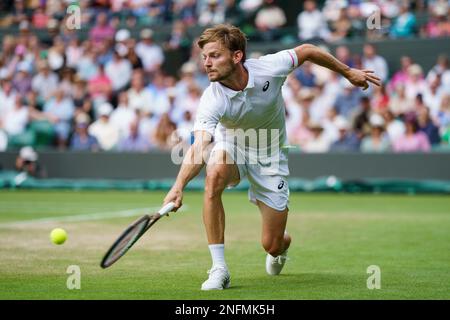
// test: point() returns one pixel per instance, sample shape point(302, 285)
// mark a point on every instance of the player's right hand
point(176, 196)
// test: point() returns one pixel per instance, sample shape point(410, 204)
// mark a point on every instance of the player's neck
point(238, 80)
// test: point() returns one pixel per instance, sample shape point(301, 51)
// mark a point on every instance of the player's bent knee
point(215, 183)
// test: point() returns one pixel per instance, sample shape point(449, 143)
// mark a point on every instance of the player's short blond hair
point(229, 36)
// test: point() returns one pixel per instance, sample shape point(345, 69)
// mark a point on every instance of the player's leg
point(220, 172)
point(274, 238)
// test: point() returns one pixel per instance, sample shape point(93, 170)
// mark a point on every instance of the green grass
point(335, 238)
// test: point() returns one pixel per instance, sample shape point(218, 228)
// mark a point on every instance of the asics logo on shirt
point(266, 86)
point(281, 185)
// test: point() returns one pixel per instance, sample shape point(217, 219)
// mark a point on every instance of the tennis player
point(245, 95)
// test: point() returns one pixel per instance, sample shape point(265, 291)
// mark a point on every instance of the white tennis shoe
point(274, 265)
point(219, 278)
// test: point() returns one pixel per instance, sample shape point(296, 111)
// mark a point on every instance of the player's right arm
point(192, 163)
point(209, 113)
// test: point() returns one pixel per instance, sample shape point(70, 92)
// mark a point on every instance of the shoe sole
point(225, 286)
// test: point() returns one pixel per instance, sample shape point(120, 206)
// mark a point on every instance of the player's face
point(217, 61)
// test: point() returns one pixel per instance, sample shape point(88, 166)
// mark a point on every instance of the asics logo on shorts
point(281, 185)
point(266, 86)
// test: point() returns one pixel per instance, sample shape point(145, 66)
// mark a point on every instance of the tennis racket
point(132, 234)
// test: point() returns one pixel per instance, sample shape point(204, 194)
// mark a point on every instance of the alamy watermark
point(374, 20)
point(374, 280)
point(73, 21)
point(74, 280)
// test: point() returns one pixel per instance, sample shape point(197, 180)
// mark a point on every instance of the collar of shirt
point(250, 84)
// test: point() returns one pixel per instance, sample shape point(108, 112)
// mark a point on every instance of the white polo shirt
point(259, 106)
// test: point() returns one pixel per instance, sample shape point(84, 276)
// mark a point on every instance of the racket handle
point(166, 209)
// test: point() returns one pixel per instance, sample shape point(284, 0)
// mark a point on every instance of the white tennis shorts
point(267, 178)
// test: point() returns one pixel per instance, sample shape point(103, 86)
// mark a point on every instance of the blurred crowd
point(109, 92)
point(330, 20)
point(410, 112)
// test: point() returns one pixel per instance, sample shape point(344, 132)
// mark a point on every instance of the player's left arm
point(314, 54)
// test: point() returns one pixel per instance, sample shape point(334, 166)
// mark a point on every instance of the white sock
point(218, 255)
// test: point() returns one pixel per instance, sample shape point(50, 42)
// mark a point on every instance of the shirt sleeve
point(282, 63)
point(209, 112)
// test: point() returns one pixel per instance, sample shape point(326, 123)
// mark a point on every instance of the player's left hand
point(361, 78)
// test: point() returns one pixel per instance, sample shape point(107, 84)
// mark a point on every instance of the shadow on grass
point(299, 281)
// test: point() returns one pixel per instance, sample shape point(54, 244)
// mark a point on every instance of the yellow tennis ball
point(58, 236)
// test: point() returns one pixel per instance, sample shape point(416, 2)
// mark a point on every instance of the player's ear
point(237, 56)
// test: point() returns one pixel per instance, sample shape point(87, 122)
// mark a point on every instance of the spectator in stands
point(22, 79)
point(214, 13)
point(40, 18)
point(56, 54)
point(186, 11)
point(132, 56)
point(87, 66)
point(378, 140)
point(319, 141)
point(179, 40)
point(45, 82)
point(399, 103)
point(348, 99)
point(380, 98)
point(343, 54)
point(233, 13)
point(443, 115)
point(15, 120)
point(135, 142)
point(433, 94)
point(439, 23)
point(123, 115)
point(393, 125)
point(159, 102)
point(361, 123)
point(402, 75)
point(269, 19)
point(330, 125)
point(321, 102)
point(102, 31)
point(412, 140)
point(302, 133)
point(150, 53)
point(341, 27)
point(100, 88)
point(106, 133)
point(7, 96)
point(305, 98)
point(427, 126)
point(372, 61)
point(347, 140)
point(184, 128)
point(311, 23)
point(67, 81)
point(441, 70)
point(140, 8)
point(74, 53)
point(164, 136)
point(81, 140)
point(192, 99)
point(305, 75)
point(416, 84)
point(119, 71)
point(59, 110)
point(249, 7)
point(404, 25)
point(138, 96)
